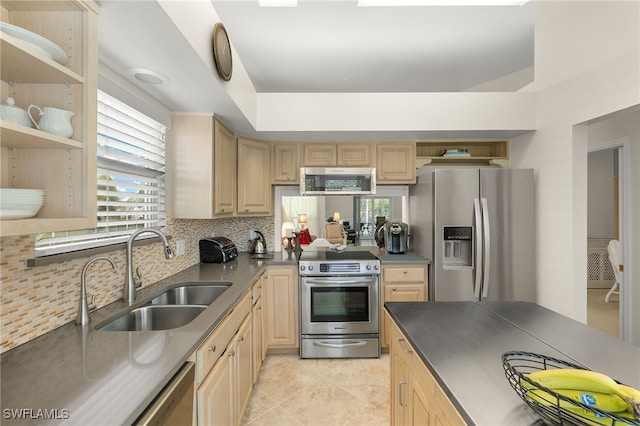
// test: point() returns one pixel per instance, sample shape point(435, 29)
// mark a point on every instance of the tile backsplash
point(40, 299)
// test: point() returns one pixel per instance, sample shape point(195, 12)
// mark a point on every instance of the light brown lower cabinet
point(228, 361)
point(257, 329)
point(416, 398)
point(280, 304)
point(401, 282)
point(224, 378)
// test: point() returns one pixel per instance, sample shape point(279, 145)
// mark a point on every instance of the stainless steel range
point(339, 304)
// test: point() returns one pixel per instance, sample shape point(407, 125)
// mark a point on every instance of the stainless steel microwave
point(337, 180)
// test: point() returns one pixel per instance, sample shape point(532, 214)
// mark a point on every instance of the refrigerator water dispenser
point(457, 247)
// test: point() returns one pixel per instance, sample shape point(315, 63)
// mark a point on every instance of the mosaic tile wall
point(37, 300)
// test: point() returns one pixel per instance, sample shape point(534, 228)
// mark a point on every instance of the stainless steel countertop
point(462, 343)
point(106, 377)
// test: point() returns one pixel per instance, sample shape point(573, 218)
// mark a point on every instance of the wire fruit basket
point(553, 407)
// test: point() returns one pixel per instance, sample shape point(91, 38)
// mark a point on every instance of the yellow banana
point(583, 380)
point(631, 392)
point(633, 399)
point(601, 401)
point(573, 378)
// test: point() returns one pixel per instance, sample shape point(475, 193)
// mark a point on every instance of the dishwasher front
point(174, 404)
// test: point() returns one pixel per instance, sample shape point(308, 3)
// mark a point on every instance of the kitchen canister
point(13, 113)
point(53, 120)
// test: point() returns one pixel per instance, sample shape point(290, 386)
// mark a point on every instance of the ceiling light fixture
point(441, 2)
point(149, 77)
point(278, 3)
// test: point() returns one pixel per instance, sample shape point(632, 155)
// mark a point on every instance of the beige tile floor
point(602, 315)
point(294, 391)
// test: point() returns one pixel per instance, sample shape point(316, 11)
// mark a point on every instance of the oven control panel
point(340, 268)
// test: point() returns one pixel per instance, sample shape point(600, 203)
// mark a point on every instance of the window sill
point(62, 257)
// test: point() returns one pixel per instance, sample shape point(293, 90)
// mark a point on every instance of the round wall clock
point(222, 51)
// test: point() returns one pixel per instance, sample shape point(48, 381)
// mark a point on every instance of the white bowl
point(21, 194)
point(22, 213)
point(18, 203)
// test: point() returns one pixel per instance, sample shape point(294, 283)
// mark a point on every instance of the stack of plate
point(20, 203)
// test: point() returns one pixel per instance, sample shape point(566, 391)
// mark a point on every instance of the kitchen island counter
point(461, 344)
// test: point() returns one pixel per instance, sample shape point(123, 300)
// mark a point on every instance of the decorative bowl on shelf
point(20, 203)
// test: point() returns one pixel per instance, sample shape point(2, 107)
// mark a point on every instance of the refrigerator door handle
point(478, 249)
point(486, 236)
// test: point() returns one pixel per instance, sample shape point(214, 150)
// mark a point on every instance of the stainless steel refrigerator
point(477, 227)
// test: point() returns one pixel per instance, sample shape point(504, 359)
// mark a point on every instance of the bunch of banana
point(588, 387)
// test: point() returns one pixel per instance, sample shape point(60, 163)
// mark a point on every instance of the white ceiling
point(321, 46)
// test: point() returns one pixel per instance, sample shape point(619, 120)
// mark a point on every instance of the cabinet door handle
point(394, 289)
point(212, 348)
point(404, 272)
point(405, 350)
point(401, 394)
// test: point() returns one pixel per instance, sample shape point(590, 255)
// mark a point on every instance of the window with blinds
point(130, 180)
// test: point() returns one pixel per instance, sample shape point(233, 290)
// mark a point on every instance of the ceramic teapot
point(53, 120)
point(15, 114)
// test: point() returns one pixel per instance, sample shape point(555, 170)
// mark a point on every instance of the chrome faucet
point(83, 317)
point(131, 283)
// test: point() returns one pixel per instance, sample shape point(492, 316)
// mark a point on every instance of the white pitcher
point(54, 120)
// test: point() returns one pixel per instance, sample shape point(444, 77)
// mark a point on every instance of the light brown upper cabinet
point(65, 168)
point(286, 163)
point(340, 155)
point(205, 167)
point(254, 182)
point(395, 163)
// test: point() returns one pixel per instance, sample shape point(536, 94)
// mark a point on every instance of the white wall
point(473, 111)
point(587, 66)
point(600, 200)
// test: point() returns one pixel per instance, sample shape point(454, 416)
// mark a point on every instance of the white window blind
point(130, 180)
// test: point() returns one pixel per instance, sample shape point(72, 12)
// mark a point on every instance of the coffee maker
point(396, 237)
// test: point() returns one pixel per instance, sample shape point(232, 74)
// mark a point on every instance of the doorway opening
point(606, 220)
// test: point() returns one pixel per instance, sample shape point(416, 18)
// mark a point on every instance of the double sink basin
point(173, 308)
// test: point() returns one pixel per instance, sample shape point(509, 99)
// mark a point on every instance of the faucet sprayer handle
point(92, 304)
point(137, 280)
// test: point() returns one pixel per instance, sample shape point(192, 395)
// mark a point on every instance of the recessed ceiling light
point(149, 77)
point(441, 2)
point(278, 3)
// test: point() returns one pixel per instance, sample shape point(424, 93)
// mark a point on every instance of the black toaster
point(217, 250)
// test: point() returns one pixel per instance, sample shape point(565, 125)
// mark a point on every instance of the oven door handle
point(333, 281)
point(344, 344)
